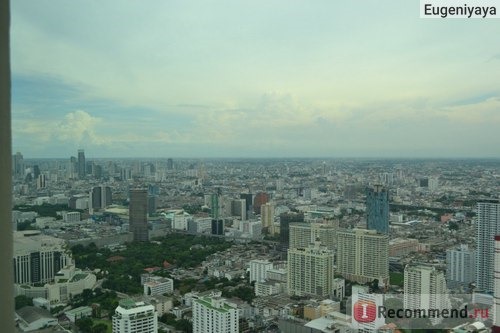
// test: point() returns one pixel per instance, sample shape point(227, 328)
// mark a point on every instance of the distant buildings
point(217, 227)
point(303, 234)
point(213, 314)
point(100, 197)
point(138, 210)
point(267, 217)
point(135, 317)
point(362, 255)
point(487, 226)
point(310, 270)
point(18, 166)
point(260, 199)
point(459, 266)
point(285, 220)
point(377, 209)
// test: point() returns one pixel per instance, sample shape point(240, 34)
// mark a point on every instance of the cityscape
point(251, 245)
point(268, 166)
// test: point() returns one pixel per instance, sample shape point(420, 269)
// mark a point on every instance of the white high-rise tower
point(487, 226)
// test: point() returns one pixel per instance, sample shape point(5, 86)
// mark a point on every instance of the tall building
point(459, 262)
point(310, 271)
point(135, 317)
point(259, 269)
point(487, 226)
point(496, 292)
point(377, 209)
point(303, 234)
point(363, 255)
point(170, 164)
point(213, 314)
point(217, 227)
point(238, 208)
point(82, 171)
point(260, 199)
point(38, 258)
point(41, 181)
point(138, 212)
point(285, 220)
point(425, 288)
point(18, 165)
point(248, 200)
point(100, 197)
point(267, 217)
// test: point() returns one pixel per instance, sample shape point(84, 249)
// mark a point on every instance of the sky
point(262, 78)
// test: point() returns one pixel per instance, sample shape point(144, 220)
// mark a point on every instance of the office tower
point(248, 200)
point(213, 314)
point(135, 317)
point(217, 227)
point(170, 164)
point(41, 182)
point(310, 271)
point(38, 258)
point(425, 288)
point(260, 199)
point(138, 211)
point(496, 283)
point(18, 166)
point(487, 226)
point(258, 269)
point(459, 266)
point(285, 220)
point(36, 171)
point(82, 171)
point(303, 234)
point(363, 255)
point(152, 204)
point(238, 208)
point(215, 205)
point(377, 209)
point(267, 217)
point(100, 197)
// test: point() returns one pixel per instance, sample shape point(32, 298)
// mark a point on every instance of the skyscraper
point(267, 217)
point(377, 209)
point(487, 226)
point(310, 270)
point(100, 197)
point(260, 199)
point(459, 262)
point(82, 171)
point(363, 255)
point(213, 314)
point(303, 234)
point(18, 165)
point(138, 212)
point(285, 220)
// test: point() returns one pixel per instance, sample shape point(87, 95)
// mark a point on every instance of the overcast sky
point(261, 78)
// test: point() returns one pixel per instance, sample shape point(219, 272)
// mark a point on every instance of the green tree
point(99, 328)
point(84, 325)
point(21, 301)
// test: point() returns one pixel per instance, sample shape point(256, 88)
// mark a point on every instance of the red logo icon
point(364, 311)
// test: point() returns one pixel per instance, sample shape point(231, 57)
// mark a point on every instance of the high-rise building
point(285, 220)
point(310, 271)
point(213, 314)
point(138, 212)
point(496, 283)
point(38, 258)
point(260, 199)
point(248, 200)
point(459, 262)
point(170, 164)
point(267, 217)
point(18, 165)
point(238, 208)
point(82, 171)
point(487, 226)
point(303, 234)
point(425, 288)
point(100, 197)
point(258, 269)
point(41, 181)
point(135, 317)
point(217, 227)
point(377, 209)
point(363, 255)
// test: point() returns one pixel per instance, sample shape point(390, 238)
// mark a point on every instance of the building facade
point(377, 209)
point(138, 214)
point(213, 314)
point(459, 262)
point(487, 226)
point(135, 317)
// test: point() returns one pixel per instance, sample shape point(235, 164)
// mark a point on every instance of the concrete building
point(267, 217)
point(30, 318)
point(81, 166)
point(362, 255)
point(135, 317)
point(38, 258)
point(459, 264)
point(100, 197)
point(138, 212)
point(213, 314)
point(258, 269)
point(157, 285)
point(487, 226)
point(425, 288)
point(377, 209)
point(303, 234)
point(310, 270)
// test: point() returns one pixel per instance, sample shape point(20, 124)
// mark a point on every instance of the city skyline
point(274, 79)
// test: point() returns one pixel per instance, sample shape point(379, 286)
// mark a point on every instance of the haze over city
point(252, 79)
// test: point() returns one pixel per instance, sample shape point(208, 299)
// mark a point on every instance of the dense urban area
point(252, 245)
